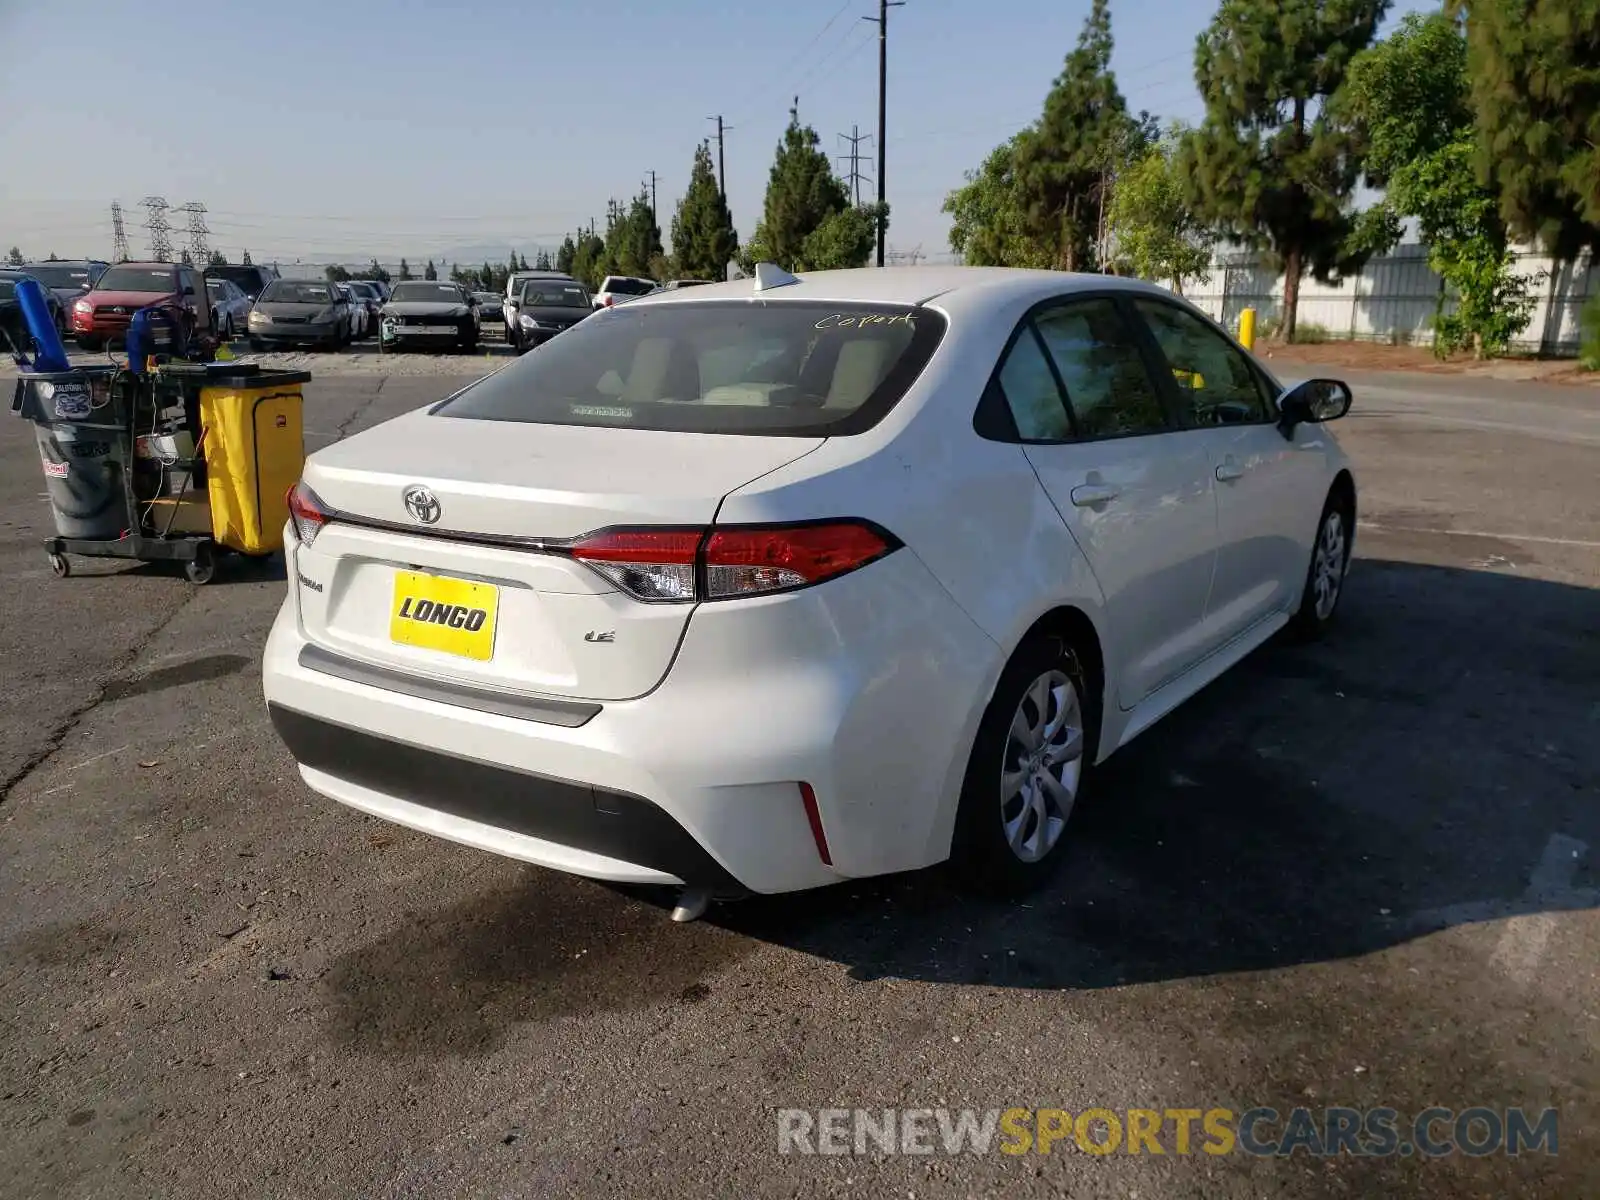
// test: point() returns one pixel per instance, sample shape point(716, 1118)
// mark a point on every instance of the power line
point(160, 232)
point(199, 251)
point(722, 165)
point(855, 178)
point(119, 235)
point(882, 21)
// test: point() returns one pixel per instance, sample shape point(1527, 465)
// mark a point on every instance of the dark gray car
point(429, 313)
point(543, 308)
point(300, 312)
point(67, 279)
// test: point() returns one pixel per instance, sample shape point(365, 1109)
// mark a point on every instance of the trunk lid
point(549, 625)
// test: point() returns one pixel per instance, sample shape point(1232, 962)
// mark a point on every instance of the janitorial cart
point(173, 461)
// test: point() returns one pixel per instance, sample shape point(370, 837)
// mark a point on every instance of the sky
point(318, 129)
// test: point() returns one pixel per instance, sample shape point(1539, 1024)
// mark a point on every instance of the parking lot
point(1363, 873)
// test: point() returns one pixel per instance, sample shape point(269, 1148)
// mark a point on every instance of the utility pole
point(199, 250)
point(654, 217)
point(160, 232)
point(855, 178)
point(882, 22)
point(722, 165)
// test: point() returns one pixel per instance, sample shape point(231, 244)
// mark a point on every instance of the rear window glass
point(628, 287)
point(789, 367)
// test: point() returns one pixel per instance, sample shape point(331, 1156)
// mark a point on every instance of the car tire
point(1031, 759)
point(91, 344)
point(1325, 575)
point(469, 340)
point(227, 329)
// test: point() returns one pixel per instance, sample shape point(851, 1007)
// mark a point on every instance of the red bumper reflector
point(813, 815)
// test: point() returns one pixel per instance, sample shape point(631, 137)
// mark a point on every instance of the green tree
point(802, 193)
point(430, 272)
point(541, 261)
point(53, 257)
point(515, 265)
point(703, 238)
point(377, 271)
point(1409, 97)
point(638, 238)
point(1062, 162)
point(588, 260)
point(217, 259)
point(989, 227)
point(405, 270)
point(1155, 231)
point(336, 273)
point(1535, 88)
point(565, 254)
point(244, 259)
point(15, 257)
point(1271, 164)
point(845, 239)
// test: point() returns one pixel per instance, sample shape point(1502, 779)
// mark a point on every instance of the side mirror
point(1311, 403)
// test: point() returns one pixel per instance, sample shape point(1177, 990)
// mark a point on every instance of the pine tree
point(15, 257)
point(380, 273)
point(1272, 163)
point(217, 259)
point(1536, 90)
point(244, 259)
point(565, 254)
point(541, 261)
point(405, 270)
point(703, 238)
point(430, 272)
point(802, 193)
point(1061, 163)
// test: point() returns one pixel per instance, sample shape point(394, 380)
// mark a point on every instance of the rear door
point(1135, 492)
point(1264, 481)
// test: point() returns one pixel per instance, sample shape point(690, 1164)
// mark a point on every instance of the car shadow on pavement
point(1435, 762)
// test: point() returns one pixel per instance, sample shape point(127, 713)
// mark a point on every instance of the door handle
point(1229, 471)
point(1090, 494)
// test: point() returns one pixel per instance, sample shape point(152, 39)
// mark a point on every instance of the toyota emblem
point(421, 503)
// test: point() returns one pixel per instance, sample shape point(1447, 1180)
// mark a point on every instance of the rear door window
point(1109, 390)
point(799, 368)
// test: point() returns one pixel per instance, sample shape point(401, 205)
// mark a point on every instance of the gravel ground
point(1364, 873)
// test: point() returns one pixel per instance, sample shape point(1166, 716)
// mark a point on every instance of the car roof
point(914, 285)
point(65, 262)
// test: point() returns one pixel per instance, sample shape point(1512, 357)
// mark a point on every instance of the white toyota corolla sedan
point(766, 585)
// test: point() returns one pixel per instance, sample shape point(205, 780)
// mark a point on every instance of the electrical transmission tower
point(199, 250)
point(854, 177)
point(119, 235)
point(160, 232)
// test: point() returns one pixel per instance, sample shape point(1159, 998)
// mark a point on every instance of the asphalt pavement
point(1363, 873)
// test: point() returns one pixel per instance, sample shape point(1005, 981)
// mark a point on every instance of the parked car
point(376, 285)
point(356, 307)
point(101, 315)
point(13, 325)
point(230, 307)
point(67, 279)
point(300, 312)
point(619, 289)
point(491, 308)
point(677, 598)
point(251, 278)
point(542, 309)
point(429, 313)
point(369, 295)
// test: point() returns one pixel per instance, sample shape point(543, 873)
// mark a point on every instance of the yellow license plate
point(436, 612)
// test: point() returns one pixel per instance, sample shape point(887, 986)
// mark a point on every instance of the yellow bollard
point(1247, 329)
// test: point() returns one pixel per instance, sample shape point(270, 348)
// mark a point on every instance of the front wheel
point(469, 340)
point(1030, 761)
point(1330, 560)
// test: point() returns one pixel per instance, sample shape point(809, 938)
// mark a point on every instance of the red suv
point(102, 314)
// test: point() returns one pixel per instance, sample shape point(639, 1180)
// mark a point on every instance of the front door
point(1134, 490)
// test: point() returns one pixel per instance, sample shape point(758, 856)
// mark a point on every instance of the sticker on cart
point(56, 470)
point(72, 401)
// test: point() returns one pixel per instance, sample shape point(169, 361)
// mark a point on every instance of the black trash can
point(84, 449)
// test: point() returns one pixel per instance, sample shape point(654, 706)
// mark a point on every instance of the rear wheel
point(469, 338)
point(1029, 764)
point(1330, 559)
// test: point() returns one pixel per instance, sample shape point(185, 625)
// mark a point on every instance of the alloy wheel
point(1328, 564)
point(1042, 766)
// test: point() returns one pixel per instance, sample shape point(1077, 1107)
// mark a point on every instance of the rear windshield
point(284, 292)
point(798, 368)
point(247, 279)
point(628, 287)
point(157, 280)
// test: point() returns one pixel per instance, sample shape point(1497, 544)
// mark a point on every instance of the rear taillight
point(683, 565)
point(307, 512)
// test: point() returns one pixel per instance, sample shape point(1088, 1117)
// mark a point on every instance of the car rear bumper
point(868, 689)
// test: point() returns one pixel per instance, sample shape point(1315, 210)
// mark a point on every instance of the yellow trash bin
point(254, 449)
